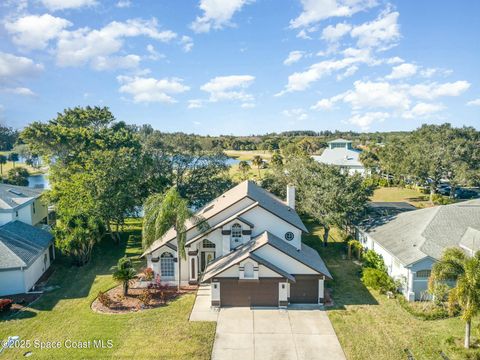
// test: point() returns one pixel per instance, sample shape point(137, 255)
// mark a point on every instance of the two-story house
point(341, 153)
point(26, 250)
point(251, 253)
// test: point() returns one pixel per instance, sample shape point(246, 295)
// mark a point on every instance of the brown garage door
point(304, 290)
point(249, 293)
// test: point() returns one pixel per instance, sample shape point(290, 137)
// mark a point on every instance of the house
point(341, 153)
point(26, 250)
point(411, 242)
point(251, 253)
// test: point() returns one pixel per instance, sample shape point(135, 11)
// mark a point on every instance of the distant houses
point(341, 153)
point(26, 250)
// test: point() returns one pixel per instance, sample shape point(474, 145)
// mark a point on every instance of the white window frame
point(236, 231)
point(167, 265)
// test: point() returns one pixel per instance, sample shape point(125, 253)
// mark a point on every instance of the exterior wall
point(283, 261)
point(36, 270)
point(156, 265)
point(420, 285)
point(41, 211)
point(6, 217)
point(11, 282)
point(264, 271)
point(265, 220)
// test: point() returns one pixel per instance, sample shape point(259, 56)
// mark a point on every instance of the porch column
point(282, 294)
point(410, 291)
point(215, 291)
point(321, 290)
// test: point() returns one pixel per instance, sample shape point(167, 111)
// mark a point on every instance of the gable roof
point(306, 255)
point(13, 196)
point(21, 244)
point(414, 235)
point(246, 189)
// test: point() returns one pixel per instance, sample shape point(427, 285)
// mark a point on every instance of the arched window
point(248, 271)
point(236, 231)
point(207, 244)
point(167, 268)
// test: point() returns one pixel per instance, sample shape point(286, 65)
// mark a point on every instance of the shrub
point(145, 297)
point(5, 304)
point(378, 280)
point(148, 274)
point(426, 312)
point(439, 199)
point(439, 291)
point(373, 260)
point(104, 299)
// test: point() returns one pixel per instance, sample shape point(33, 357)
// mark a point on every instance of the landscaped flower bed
point(138, 298)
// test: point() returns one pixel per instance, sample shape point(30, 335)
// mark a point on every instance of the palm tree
point(124, 273)
point(164, 211)
point(257, 161)
point(3, 161)
point(465, 270)
point(13, 157)
point(277, 159)
point(244, 167)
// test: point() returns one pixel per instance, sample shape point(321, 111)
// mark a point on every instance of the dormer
point(340, 144)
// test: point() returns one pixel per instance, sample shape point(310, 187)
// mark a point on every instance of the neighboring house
point(252, 253)
point(26, 251)
point(341, 153)
point(411, 242)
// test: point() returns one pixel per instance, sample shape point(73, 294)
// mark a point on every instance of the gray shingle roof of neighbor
point(340, 140)
point(414, 235)
point(246, 189)
point(471, 240)
point(339, 157)
point(306, 255)
point(12, 196)
point(21, 244)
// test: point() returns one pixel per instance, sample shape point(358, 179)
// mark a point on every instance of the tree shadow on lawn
point(346, 287)
point(76, 281)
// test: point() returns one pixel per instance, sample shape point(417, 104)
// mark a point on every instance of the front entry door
point(206, 258)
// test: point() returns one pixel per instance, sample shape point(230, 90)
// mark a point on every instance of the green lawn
point(162, 333)
point(395, 194)
point(248, 154)
point(370, 326)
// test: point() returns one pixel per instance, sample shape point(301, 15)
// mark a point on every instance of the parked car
point(463, 193)
point(444, 190)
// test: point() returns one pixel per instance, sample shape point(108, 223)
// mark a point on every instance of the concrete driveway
point(245, 334)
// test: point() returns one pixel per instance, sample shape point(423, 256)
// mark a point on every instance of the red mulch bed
point(21, 300)
point(131, 303)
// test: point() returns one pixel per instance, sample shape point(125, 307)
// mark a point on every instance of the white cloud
point(14, 67)
point(382, 33)
point(101, 63)
point(195, 103)
point(422, 110)
point(317, 10)
point(123, 4)
point(54, 5)
point(395, 60)
point(402, 71)
point(248, 105)
point(229, 88)
point(84, 46)
point(216, 14)
point(300, 81)
point(293, 57)
point(323, 104)
point(35, 31)
point(376, 95)
point(147, 90)
point(298, 114)
point(475, 102)
point(349, 72)
point(334, 33)
point(23, 91)
point(187, 43)
point(365, 120)
point(431, 91)
point(154, 54)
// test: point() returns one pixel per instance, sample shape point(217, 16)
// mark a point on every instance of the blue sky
point(243, 66)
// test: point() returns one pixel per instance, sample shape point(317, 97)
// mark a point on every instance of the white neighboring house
point(341, 153)
point(252, 253)
point(26, 250)
point(411, 242)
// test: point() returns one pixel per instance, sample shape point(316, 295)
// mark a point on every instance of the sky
point(243, 66)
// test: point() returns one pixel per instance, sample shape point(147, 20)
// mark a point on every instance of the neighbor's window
point(236, 231)
point(423, 274)
point(166, 264)
point(207, 244)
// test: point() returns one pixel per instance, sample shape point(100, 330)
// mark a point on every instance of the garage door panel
point(234, 292)
point(304, 291)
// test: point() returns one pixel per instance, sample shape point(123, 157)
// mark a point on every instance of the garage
point(234, 292)
point(304, 290)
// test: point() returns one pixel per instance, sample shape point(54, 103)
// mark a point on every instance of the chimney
point(291, 196)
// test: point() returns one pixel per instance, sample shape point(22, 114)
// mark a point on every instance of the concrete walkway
point(298, 333)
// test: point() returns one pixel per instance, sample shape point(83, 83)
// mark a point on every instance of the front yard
point(370, 326)
point(65, 314)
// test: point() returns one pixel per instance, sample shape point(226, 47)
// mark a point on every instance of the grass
point(65, 314)
point(252, 174)
point(395, 194)
point(370, 326)
point(248, 154)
